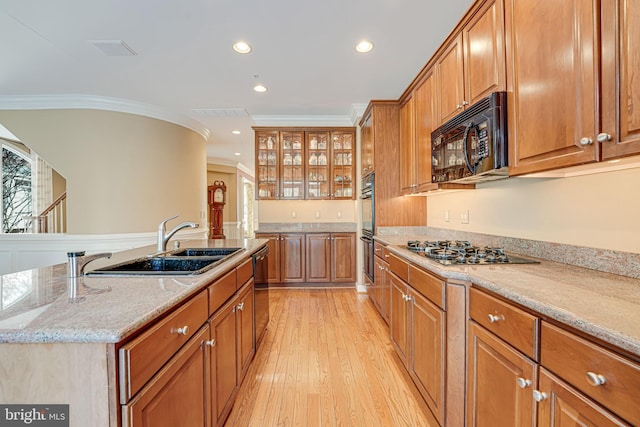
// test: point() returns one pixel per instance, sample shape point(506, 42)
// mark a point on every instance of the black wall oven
point(368, 223)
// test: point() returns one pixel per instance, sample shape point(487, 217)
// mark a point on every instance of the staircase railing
point(54, 218)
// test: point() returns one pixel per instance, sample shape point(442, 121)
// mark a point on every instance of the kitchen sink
point(199, 252)
point(165, 265)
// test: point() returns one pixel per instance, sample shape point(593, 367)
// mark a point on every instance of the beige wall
point(124, 172)
point(600, 210)
point(229, 175)
point(305, 211)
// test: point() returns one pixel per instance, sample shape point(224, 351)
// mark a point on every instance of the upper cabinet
point(297, 163)
point(407, 147)
point(366, 145)
point(472, 64)
point(620, 130)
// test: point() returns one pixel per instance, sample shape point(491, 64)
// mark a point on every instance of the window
point(16, 190)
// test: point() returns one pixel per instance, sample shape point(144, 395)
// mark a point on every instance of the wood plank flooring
point(326, 360)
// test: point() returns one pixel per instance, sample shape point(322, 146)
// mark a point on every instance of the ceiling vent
point(113, 47)
point(221, 112)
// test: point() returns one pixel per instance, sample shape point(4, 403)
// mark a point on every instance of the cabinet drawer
point(399, 267)
point(583, 364)
point(144, 356)
point(221, 290)
point(245, 271)
point(427, 284)
point(379, 250)
point(515, 326)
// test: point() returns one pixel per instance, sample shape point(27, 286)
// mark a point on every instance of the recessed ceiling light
point(364, 46)
point(237, 154)
point(242, 47)
point(235, 132)
point(260, 88)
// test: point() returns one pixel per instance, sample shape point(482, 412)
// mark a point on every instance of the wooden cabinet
point(301, 163)
point(292, 255)
point(245, 311)
point(223, 361)
point(366, 145)
point(380, 291)
point(494, 371)
point(407, 147)
point(318, 256)
point(273, 274)
point(177, 395)
point(343, 257)
point(620, 60)
point(472, 64)
point(399, 316)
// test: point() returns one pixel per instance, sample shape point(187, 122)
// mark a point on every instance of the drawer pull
point(210, 343)
point(183, 331)
point(523, 383)
point(539, 396)
point(493, 318)
point(595, 379)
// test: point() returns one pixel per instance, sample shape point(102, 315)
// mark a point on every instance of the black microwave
point(472, 146)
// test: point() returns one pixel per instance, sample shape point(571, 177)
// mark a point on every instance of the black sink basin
point(198, 252)
point(166, 265)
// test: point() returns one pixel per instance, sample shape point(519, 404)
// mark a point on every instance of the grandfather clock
point(217, 199)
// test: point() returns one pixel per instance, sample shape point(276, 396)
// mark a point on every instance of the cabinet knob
point(586, 141)
point(182, 331)
point(241, 306)
point(523, 382)
point(539, 396)
point(595, 379)
point(459, 106)
point(210, 343)
point(493, 318)
point(464, 103)
point(603, 137)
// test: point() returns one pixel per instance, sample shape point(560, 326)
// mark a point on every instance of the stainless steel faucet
point(78, 261)
point(163, 236)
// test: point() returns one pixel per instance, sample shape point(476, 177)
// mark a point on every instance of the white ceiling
point(303, 51)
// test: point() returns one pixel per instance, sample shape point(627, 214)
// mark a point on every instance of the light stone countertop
point(36, 308)
point(604, 305)
point(307, 227)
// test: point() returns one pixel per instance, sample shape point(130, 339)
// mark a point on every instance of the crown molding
point(94, 102)
point(357, 110)
point(226, 162)
point(306, 121)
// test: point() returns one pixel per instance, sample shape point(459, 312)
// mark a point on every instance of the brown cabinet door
point(494, 369)
point(267, 165)
point(177, 394)
point(274, 255)
point(450, 81)
point(426, 365)
point(318, 163)
point(292, 165)
point(343, 257)
point(398, 317)
point(366, 144)
point(375, 292)
point(223, 362)
point(385, 292)
point(620, 83)
point(342, 164)
point(407, 148)
point(554, 50)
point(484, 52)
point(562, 406)
point(318, 257)
point(425, 106)
point(292, 252)
point(246, 331)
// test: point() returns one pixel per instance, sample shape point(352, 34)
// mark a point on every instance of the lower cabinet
point(311, 257)
point(399, 317)
point(380, 291)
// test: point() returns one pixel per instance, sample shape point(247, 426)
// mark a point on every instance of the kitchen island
point(57, 350)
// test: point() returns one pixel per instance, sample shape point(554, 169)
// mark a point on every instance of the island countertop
point(36, 307)
point(600, 304)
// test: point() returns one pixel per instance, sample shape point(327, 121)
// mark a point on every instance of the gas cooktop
point(456, 252)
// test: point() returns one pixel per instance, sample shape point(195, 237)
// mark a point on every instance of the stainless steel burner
point(450, 252)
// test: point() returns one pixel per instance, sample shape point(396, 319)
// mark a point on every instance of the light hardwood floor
point(326, 360)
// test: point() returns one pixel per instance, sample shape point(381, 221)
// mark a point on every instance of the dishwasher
point(261, 276)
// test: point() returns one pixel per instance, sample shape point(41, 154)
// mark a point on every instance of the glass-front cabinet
point(304, 163)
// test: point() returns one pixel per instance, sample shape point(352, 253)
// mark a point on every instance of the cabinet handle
point(595, 379)
point(603, 137)
point(586, 141)
point(210, 343)
point(493, 318)
point(464, 103)
point(182, 331)
point(539, 396)
point(523, 382)
point(241, 306)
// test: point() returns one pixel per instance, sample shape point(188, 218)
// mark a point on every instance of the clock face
point(218, 196)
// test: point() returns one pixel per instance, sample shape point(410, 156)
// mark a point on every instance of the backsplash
point(609, 261)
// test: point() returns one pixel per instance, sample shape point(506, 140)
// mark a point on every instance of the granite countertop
point(36, 307)
point(600, 304)
point(307, 227)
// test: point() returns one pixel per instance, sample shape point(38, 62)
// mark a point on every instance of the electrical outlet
point(293, 214)
point(339, 214)
point(317, 214)
point(447, 216)
point(464, 217)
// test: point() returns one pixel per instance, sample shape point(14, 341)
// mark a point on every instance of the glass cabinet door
point(267, 161)
point(292, 165)
point(342, 164)
point(318, 169)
